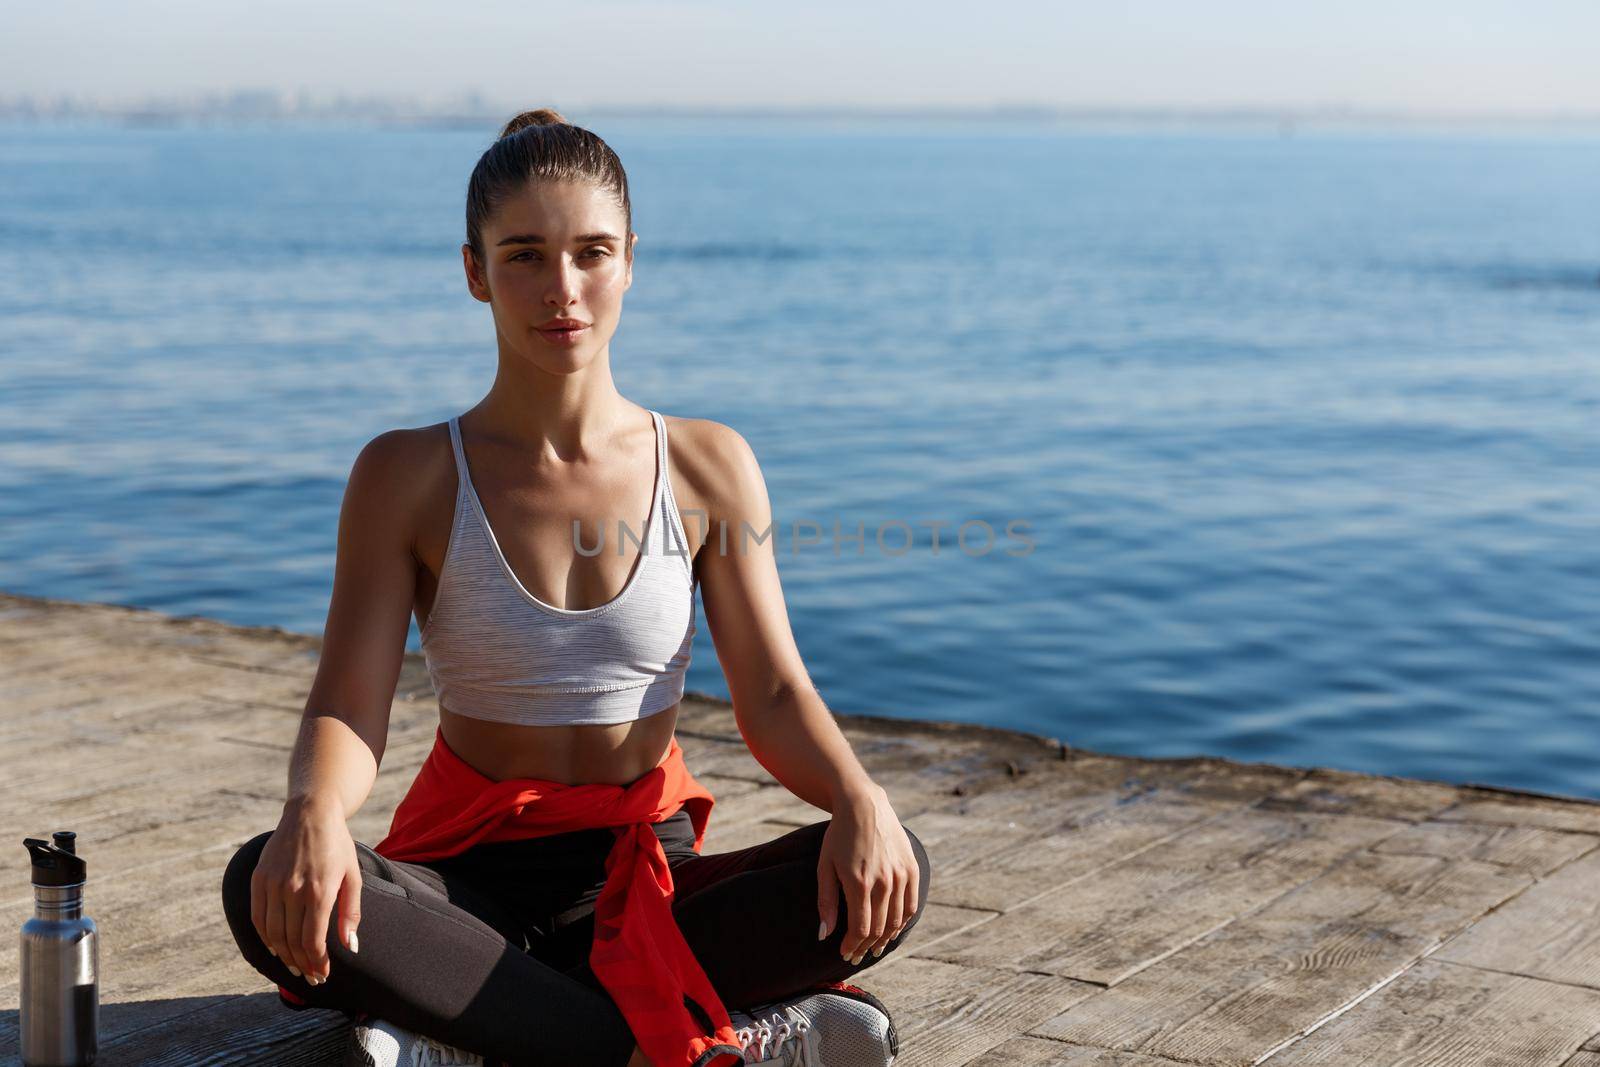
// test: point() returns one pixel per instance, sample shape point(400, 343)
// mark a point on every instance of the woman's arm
point(309, 870)
point(345, 725)
point(781, 716)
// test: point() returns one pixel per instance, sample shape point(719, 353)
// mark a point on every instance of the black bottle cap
point(55, 863)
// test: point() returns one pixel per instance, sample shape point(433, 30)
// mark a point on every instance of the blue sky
point(1428, 56)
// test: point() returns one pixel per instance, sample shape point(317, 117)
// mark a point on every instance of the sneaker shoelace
point(784, 1036)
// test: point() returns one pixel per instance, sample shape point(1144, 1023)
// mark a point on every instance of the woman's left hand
point(865, 850)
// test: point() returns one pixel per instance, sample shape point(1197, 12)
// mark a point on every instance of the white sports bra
point(495, 651)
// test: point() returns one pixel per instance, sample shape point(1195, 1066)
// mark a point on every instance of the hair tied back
point(544, 116)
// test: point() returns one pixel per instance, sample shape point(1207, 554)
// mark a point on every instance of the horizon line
point(276, 104)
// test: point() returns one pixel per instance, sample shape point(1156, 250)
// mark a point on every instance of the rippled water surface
point(1301, 432)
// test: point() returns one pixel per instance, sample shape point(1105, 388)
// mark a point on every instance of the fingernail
point(878, 951)
point(355, 942)
point(822, 929)
point(294, 970)
point(272, 950)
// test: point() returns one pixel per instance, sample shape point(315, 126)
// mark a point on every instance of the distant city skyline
point(1425, 58)
point(476, 109)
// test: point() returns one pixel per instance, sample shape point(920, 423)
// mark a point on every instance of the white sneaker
point(377, 1042)
point(832, 1025)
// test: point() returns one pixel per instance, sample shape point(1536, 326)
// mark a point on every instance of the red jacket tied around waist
point(639, 955)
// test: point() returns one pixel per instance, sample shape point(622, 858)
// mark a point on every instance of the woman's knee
point(924, 867)
point(924, 864)
point(236, 879)
point(242, 867)
point(236, 895)
point(909, 921)
point(236, 902)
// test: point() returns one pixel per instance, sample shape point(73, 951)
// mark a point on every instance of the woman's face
point(555, 250)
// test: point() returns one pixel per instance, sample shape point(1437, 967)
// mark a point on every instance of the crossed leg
point(750, 916)
point(441, 957)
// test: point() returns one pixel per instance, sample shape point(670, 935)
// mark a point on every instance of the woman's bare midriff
point(573, 755)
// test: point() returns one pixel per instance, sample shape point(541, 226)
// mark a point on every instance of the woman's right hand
point(308, 864)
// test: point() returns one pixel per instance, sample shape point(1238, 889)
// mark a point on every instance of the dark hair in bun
point(544, 116)
point(537, 146)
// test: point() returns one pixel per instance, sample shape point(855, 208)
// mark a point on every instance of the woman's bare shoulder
point(718, 466)
point(405, 453)
point(400, 474)
point(706, 448)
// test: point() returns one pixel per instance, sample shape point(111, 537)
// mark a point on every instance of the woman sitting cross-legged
point(541, 896)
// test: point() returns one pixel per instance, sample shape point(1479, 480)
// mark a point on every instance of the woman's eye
point(597, 253)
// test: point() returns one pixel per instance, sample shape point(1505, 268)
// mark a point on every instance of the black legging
point(488, 950)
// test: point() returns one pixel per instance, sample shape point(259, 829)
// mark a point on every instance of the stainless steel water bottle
point(60, 1008)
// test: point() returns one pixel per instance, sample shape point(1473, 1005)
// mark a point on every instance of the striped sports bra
point(495, 651)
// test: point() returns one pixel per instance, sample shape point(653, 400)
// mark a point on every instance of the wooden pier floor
point(1084, 909)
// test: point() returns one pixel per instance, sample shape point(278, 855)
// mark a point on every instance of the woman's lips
point(564, 336)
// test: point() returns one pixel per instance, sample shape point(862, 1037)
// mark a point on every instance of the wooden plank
point(1252, 985)
point(943, 920)
point(996, 865)
point(1012, 843)
point(1584, 817)
point(1530, 849)
point(241, 1031)
point(1051, 783)
point(1343, 793)
point(1438, 1015)
point(724, 760)
point(1138, 911)
point(947, 1014)
point(1552, 931)
point(58, 705)
point(1039, 1052)
point(137, 843)
point(139, 761)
